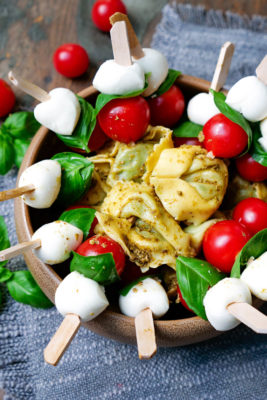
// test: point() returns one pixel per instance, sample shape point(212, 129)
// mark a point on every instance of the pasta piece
point(197, 232)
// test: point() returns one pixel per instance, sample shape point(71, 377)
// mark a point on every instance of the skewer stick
point(222, 67)
point(135, 46)
point(261, 70)
point(16, 192)
point(20, 248)
point(62, 339)
point(249, 316)
point(28, 87)
point(120, 44)
point(145, 334)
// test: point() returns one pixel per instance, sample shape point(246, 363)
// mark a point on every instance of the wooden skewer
point(145, 334)
point(222, 67)
point(28, 87)
point(249, 316)
point(16, 192)
point(135, 46)
point(62, 339)
point(261, 70)
point(120, 44)
point(20, 248)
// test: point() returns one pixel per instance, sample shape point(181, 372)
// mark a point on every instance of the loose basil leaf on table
point(124, 291)
point(167, 84)
point(23, 288)
point(7, 154)
point(4, 240)
point(255, 247)
point(84, 128)
point(20, 148)
point(187, 129)
point(21, 125)
point(233, 115)
point(76, 176)
point(5, 274)
point(82, 218)
point(256, 151)
point(100, 268)
point(194, 279)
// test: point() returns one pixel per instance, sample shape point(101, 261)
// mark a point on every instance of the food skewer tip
point(120, 44)
point(28, 87)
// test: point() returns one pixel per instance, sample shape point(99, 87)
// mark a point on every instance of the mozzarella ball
point(45, 176)
point(60, 113)
point(249, 97)
point(148, 293)
point(221, 295)
point(255, 276)
point(156, 64)
point(201, 108)
point(113, 78)
point(58, 239)
point(263, 129)
point(82, 296)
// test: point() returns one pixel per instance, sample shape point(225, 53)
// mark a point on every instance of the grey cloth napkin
point(232, 366)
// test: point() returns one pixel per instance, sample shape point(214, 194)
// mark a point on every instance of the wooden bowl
point(110, 323)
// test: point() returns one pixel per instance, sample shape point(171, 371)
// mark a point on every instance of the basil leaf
point(233, 115)
point(255, 247)
point(187, 129)
point(5, 274)
point(167, 84)
point(24, 289)
point(124, 291)
point(80, 136)
point(100, 268)
point(20, 147)
point(194, 279)
point(82, 218)
point(21, 125)
point(256, 151)
point(76, 176)
point(6, 154)
point(4, 241)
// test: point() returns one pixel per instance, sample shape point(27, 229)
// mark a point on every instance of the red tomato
point(252, 213)
point(97, 139)
point(125, 120)
point(7, 98)
point(95, 221)
point(101, 245)
point(182, 300)
point(222, 242)
point(71, 60)
point(103, 9)
point(223, 137)
point(250, 169)
point(167, 109)
point(193, 141)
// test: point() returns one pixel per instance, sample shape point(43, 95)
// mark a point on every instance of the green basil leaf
point(6, 154)
point(82, 218)
point(124, 291)
point(194, 279)
point(100, 268)
point(24, 289)
point(256, 151)
point(233, 115)
point(167, 84)
point(76, 176)
point(20, 147)
point(5, 274)
point(255, 247)
point(187, 129)
point(84, 128)
point(21, 125)
point(4, 241)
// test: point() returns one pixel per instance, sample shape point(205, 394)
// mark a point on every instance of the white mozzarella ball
point(45, 176)
point(201, 108)
point(113, 78)
point(82, 296)
point(249, 97)
point(156, 64)
point(255, 276)
point(221, 295)
point(58, 239)
point(148, 293)
point(60, 113)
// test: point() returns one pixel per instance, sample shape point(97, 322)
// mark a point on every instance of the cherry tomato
point(95, 221)
point(183, 300)
point(7, 98)
point(71, 60)
point(101, 245)
point(250, 169)
point(103, 9)
point(193, 141)
point(167, 109)
point(252, 213)
point(223, 137)
point(96, 141)
point(125, 120)
point(222, 242)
